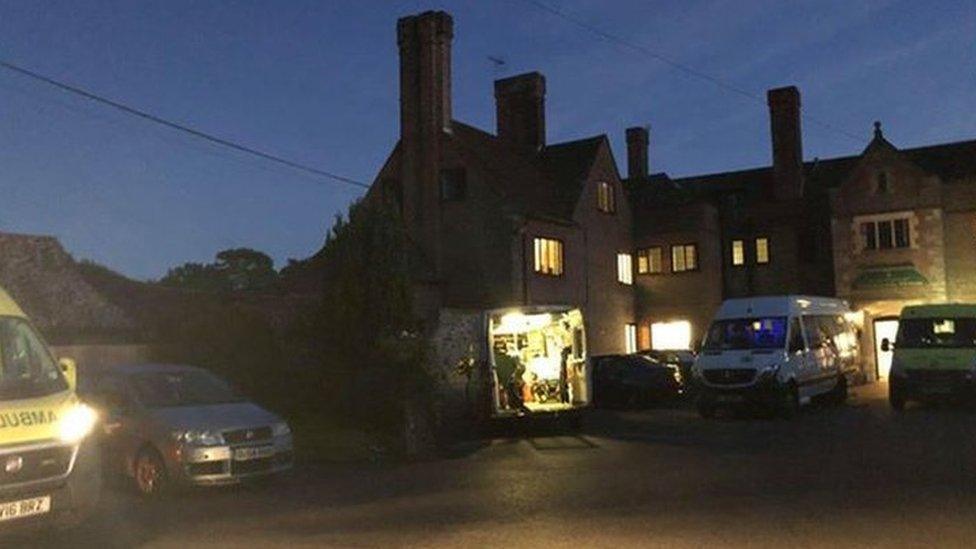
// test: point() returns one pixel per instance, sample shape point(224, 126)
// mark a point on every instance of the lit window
point(548, 256)
point(605, 200)
point(684, 257)
point(762, 250)
point(650, 260)
point(625, 269)
point(630, 338)
point(671, 336)
point(738, 252)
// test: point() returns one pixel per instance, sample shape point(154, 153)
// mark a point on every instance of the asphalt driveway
point(856, 475)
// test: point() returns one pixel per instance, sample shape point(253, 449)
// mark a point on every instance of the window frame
point(606, 199)
point(741, 244)
point(869, 231)
point(648, 252)
point(631, 342)
point(684, 255)
point(625, 273)
point(769, 255)
point(536, 256)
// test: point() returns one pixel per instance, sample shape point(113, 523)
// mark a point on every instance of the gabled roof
point(949, 161)
point(547, 184)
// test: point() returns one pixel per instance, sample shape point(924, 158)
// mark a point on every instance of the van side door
point(796, 348)
point(814, 355)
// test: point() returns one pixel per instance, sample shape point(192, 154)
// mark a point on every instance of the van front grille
point(255, 434)
point(729, 376)
point(34, 465)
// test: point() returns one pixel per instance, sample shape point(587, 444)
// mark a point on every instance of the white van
point(778, 351)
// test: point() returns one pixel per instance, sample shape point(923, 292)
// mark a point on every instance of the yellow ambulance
point(49, 464)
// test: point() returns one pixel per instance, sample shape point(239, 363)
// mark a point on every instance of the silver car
point(169, 425)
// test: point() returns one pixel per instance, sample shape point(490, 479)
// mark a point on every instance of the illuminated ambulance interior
point(539, 361)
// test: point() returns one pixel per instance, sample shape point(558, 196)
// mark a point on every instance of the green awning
point(889, 276)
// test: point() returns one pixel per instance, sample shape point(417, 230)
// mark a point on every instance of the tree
point(236, 269)
point(245, 269)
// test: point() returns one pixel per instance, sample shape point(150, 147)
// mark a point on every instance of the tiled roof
point(950, 161)
point(546, 184)
point(45, 280)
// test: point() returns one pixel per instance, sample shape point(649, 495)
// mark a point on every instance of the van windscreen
point(746, 333)
point(923, 333)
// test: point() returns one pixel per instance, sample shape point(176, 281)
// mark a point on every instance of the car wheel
point(790, 405)
point(149, 474)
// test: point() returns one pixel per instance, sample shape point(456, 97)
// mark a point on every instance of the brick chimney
point(637, 140)
point(784, 121)
point(425, 114)
point(520, 110)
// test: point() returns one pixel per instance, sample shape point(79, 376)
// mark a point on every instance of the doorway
point(884, 328)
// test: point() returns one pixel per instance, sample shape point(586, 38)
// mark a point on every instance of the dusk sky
point(316, 82)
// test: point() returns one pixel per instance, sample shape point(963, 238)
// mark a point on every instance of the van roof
point(9, 307)
point(940, 310)
point(780, 305)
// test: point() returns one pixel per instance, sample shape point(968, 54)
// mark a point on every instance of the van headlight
point(280, 429)
point(195, 437)
point(77, 423)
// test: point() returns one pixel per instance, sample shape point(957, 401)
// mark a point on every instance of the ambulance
point(50, 470)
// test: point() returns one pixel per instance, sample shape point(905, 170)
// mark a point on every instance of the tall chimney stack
point(784, 121)
point(637, 141)
point(520, 110)
point(425, 114)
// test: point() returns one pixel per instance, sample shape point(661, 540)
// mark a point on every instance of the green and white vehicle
point(934, 354)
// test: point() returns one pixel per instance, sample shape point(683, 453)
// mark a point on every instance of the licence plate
point(24, 508)
point(729, 398)
point(253, 452)
point(937, 390)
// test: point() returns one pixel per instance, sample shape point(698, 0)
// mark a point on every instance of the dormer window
point(605, 199)
point(881, 183)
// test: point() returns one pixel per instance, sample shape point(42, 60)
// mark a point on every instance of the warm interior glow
point(671, 336)
point(520, 323)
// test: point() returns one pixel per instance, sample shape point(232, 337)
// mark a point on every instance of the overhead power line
point(181, 127)
point(691, 71)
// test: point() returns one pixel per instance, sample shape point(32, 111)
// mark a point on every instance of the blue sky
point(317, 82)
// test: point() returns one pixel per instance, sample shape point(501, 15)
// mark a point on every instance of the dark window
point(870, 236)
point(796, 336)
point(901, 233)
point(884, 235)
point(454, 184)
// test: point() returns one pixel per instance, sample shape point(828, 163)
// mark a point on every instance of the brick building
point(904, 232)
point(506, 219)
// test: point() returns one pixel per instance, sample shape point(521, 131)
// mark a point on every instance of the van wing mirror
point(886, 345)
point(70, 370)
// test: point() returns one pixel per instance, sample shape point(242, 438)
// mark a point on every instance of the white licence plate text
point(24, 508)
point(256, 452)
